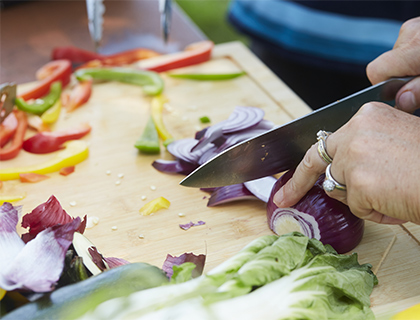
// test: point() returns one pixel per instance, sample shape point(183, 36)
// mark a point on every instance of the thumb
point(408, 98)
point(401, 61)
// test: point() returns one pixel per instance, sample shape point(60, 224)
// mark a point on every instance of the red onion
point(240, 119)
point(262, 187)
point(230, 193)
point(317, 216)
point(174, 166)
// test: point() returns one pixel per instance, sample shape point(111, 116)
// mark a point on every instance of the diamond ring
point(330, 183)
point(322, 148)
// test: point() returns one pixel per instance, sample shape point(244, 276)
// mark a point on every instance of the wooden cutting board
point(111, 183)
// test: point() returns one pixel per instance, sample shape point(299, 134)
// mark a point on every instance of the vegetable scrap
point(191, 224)
point(67, 170)
point(79, 95)
point(154, 206)
point(11, 197)
point(157, 116)
point(317, 216)
point(32, 177)
point(171, 261)
point(91, 221)
point(205, 119)
point(11, 151)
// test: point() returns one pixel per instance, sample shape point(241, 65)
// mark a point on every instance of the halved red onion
point(230, 193)
point(317, 216)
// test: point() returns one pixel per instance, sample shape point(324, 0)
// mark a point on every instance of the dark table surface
point(30, 30)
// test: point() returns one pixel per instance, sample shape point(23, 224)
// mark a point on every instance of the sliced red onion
point(209, 154)
point(174, 166)
point(234, 192)
point(261, 188)
point(181, 149)
point(198, 260)
point(240, 119)
point(317, 216)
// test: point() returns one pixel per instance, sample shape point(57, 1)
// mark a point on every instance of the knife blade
point(165, 9)
point(283, 147)
point(95, 11)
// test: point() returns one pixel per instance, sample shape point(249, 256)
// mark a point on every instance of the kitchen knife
point(95, 11)
point(165, 9)
point(283, 147)
point(7, 99)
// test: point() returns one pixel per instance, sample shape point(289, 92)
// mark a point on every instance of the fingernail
point(407, 101)
point(278, 197)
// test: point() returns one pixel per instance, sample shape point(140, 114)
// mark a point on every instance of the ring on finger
point(322, 148)
point(330, 183)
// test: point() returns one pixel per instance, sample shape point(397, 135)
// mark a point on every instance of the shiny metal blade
point(282, 148)
point(95, 11)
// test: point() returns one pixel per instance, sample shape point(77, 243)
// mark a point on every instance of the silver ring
point(330, 183)
point(322, 148)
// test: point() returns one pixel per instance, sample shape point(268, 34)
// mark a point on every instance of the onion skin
point(337, 226)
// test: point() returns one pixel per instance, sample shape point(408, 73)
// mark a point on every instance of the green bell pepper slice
point(149, 140)
point(150, 81)
point(39, 106)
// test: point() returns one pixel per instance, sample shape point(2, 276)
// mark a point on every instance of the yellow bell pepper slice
point(75, 151)
point(51, 115)
point(157, 108)
point(11, 198)
point(154, 205)
point(2, 293)
point(408, 314)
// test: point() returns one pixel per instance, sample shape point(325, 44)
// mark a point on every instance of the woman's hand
point(403, 60)
point(377, 156)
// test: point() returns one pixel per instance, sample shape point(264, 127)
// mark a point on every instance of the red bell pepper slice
point(74, 54)
point(193, 54)
point(67, 170)
point(57, 70)
point(94, 60)
point(79, 95)
point(32, 177)
point(17, 140)
point(46, 142)
point(8, 129)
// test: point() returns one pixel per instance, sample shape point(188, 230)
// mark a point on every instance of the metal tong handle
point(7, 99)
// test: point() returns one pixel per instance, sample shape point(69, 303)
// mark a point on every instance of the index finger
point(303, 179)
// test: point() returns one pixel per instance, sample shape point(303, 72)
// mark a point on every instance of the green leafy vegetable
point(287, 277)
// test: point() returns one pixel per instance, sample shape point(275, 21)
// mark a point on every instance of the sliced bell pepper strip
point(151, 82)
point(41, 105)
point(17, 141)
point(57, 70)
point(8, 129)
point(32, 177)
point(11, 198)
point(157, 108)
point(193, 54)
point(75, 152)
point(2, 293)
point(149, 140)
point(207, 76)
point(52, 114)
point(77, 55)
point(79, 95)
point(46, 142)
point(35, 122)
point(154, 205)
